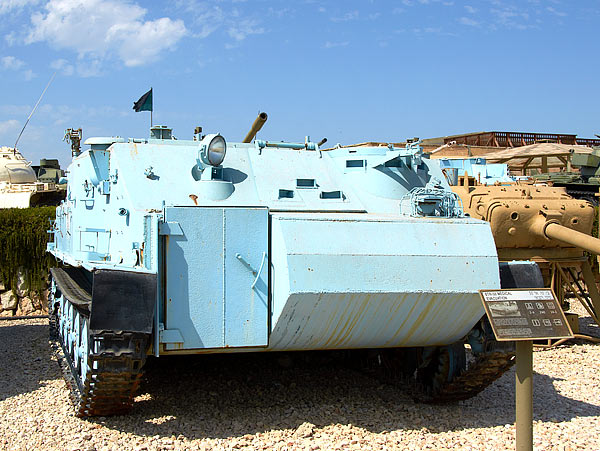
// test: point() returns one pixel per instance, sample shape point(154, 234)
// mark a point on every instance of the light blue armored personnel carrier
point(484, 173)
point(199, 246)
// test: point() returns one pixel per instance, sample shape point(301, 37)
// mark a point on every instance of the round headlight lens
point(216, 150)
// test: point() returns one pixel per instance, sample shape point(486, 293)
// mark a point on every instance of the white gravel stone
point(233, 402)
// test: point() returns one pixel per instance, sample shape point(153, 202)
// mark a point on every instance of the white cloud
point(91, 68)
point(11, 38)
point(83, 68)
point(468, 21)
point(11, 62)
point(8, 126)
point(98, 29)
point(63, 67)
point(29, 75)
point(470, 9)
point(209, 17)
point(242, 29)
point(7, 6)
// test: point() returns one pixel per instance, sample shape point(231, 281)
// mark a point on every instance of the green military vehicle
point(583, 184)
point(48, 171)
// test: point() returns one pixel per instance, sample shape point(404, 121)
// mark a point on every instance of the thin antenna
point(33, 111)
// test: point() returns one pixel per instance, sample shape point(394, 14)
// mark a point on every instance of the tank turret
point(19, 183)
point(14, 168)
point(49, 171)
point(588, 165)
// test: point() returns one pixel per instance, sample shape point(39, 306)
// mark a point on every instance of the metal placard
point(525, 314)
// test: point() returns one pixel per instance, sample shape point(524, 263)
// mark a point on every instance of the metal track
point(115, 361)
point(590, 195)
point(74, 285)
point(479, 375)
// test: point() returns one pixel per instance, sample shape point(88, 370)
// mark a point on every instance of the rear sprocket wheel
point(440, 365)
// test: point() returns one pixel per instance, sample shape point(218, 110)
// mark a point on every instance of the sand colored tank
point(520, 216)
point(539, 223)
point(19, 186)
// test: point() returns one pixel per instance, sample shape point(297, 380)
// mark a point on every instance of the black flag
point(144, 103)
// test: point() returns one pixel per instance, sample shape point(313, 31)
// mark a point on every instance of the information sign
point(525, 314)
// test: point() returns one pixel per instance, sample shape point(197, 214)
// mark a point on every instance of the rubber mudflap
point(520, 274)
point(123, 301)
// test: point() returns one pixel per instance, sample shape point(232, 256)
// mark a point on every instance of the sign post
point(524, 395)
point(524, 315)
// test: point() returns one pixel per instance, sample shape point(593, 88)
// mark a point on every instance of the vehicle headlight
point(213, 149)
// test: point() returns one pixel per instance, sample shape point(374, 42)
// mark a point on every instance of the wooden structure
point(536, 156)
point(512, 139)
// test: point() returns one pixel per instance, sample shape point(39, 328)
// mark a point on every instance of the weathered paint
point(342, 266)
point(367, 281)
point(341, 321)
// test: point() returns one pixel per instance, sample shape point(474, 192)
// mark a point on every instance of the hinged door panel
point(217, 276)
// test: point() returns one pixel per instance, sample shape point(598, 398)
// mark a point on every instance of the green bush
point(23, 238)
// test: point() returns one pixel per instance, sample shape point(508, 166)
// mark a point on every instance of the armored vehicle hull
point(173, 247)
point(19, 185)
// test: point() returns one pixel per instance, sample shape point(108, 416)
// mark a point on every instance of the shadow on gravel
point(232, 395)
point(588, 326)
point(24, 358)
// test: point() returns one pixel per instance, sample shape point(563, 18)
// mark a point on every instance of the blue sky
point(348, 70)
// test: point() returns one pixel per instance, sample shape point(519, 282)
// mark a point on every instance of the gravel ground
point(239, 402)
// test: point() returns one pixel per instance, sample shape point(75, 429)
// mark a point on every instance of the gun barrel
point(566, 235)
point(256, 126)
